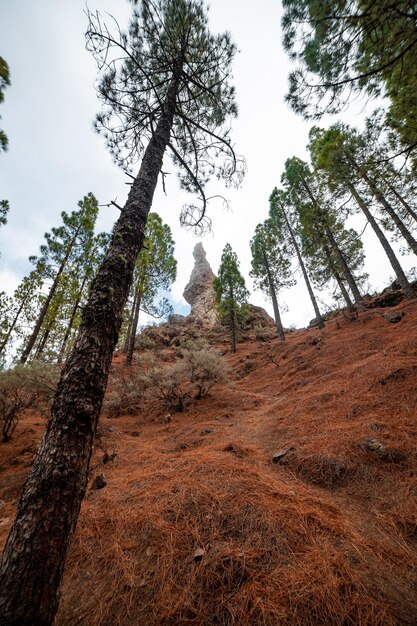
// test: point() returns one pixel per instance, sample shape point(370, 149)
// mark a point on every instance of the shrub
point(124, 395)
point(204, 367)
point(25, 387)
point(169, 383)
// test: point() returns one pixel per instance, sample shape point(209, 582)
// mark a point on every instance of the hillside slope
point(198, 525)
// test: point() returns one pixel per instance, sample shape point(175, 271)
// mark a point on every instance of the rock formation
point(199, 292)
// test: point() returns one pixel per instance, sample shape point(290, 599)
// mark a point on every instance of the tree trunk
point(345, 269)
point(35, 552)
point(277, 316)
point(393, 215)
point(232, 321)
point(13, 324)
point(402, 279)
point(338, 279)
point(405, 204)
point(134, 327)
point(129, 326)
point(343, 265)
point(42, 343)
point(44, 310)
point(343, 290)
point(71, 323)
point(320, 321)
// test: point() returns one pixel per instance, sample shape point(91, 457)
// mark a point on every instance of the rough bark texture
point(402, 279)
point(320, 321)
point(34, 556)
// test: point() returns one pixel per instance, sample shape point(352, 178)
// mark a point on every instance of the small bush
point(25, 387)
point(124, 395)
point(169, 383)
point(204, 367)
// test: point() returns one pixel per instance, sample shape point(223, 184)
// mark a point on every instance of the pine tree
point(61, 243)
point(4, 82)
point(155, 269)
point(282, 214)
point(166, 86)
point(271, 266)
point(353, 47)
point(231, 293)
point(333, 153)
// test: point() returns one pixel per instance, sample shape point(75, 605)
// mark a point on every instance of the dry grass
point(327, 536)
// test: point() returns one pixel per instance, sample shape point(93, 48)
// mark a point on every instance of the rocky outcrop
point(199, 292)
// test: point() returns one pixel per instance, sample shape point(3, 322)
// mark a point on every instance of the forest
point(166, 91)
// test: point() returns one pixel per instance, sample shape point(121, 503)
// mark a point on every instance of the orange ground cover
point(326, 536)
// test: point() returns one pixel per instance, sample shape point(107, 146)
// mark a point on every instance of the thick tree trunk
point(393, 215)
point(133, 329)
point(277, 316)
point(34, 556)
point(319, 318)
point(402, 279)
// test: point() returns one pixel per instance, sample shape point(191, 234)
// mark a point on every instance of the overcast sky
point(55, 157)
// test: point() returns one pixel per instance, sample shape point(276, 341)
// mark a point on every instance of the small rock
point(135, 433)
point(280, 454)
point(168, 418)
point(394, 316)
point(207, 431)
point(373, 445)
point(375, 428)
point(99, 482)
point(198, 554)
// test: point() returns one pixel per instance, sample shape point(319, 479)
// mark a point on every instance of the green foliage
point(231, 293)
point(353, 46)
point(271, 262)
point(169, 46)
point(4, 82)
point(22, 388)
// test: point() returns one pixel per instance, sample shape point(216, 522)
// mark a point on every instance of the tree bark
point(34, 556)
point(402, 279)
point(393, 215)
point(319, 318)
point(42, 343)
point(277, 316)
